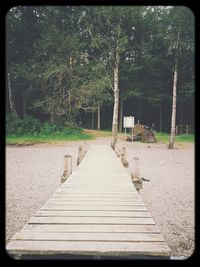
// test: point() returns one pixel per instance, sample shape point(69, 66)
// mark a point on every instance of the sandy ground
point(33, 175)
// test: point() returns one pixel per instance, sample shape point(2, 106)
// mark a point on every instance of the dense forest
point(74, 65)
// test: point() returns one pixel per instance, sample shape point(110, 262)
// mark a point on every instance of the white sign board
point(128, 122)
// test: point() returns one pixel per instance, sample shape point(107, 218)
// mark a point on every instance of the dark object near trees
point(142, 133)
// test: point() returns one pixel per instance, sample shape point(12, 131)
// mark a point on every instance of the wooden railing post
point(117, 150)
point(135, 174)
point(82, 150)
point(123, 158)
point(67, 164)
point(80, 153)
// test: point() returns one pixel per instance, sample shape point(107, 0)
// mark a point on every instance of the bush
point(31, 126)
point(27, 125)
point(48, 128)
point(72, 130)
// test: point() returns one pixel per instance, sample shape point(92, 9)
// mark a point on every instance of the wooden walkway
point(96, 212)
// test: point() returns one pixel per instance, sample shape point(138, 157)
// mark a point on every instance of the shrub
point(27, 125)
point(48, 128)
point(72, 130)
point(31, 126)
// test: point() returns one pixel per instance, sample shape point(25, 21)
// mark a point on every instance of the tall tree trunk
point(181, 112)
point(24, 104)
point(139, 108)
point(11, 97)
point(98, 117)
point(121, 115)
point(116, 99)
point(93, 117)
point(70, 82)
point(160, 118)
point(173, 119)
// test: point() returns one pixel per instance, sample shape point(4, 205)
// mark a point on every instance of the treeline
point(66, 62)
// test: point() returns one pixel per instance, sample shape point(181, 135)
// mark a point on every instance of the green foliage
point(61, 58)
point(27, 125)
point(48, 129)
point(29, 130)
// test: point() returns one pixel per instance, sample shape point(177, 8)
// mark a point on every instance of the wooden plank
point(94, 203)
point(94, 208)
point(97, 189)
point(130, 237)
point(92, 220)
point(101, 197)
point(68, 184)
point(98, 195)
point(96, 192)
point(95, 199)
point(94, 184)
point(97, 228)
point(93, 213)
point(92, 191)
point(108, 196)
point(88, 248)
point(107, 180)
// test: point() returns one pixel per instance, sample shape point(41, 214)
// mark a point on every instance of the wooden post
point(123, 154)
point(98, 116)
point(81, 153)
point(117, 150)
point(123, 158)
point(135, 174)
point(67, 164)
point(132, 133)
point(85, 147)
point(136, 167)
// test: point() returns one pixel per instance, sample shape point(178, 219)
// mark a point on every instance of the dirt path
point(33, 174)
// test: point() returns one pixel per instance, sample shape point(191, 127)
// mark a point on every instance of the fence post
point(177, 130)
point(187, 129)
point(123, 158)
point(81, 153)
point(135, 174)
point(67, 164)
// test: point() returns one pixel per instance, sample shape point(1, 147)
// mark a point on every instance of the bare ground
point(33, 175)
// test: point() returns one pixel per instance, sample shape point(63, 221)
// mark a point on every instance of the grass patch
point(164, 137)
point(72, 134)
point(185, 138)
point(51, 138)
point(98, 133)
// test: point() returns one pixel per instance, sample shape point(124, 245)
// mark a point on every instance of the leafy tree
point(64, 59)
point(182, 43)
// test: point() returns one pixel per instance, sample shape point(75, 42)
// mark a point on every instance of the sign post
point(129, 123)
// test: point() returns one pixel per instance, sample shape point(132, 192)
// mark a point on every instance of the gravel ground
point(169, 195)
point(33, 175)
